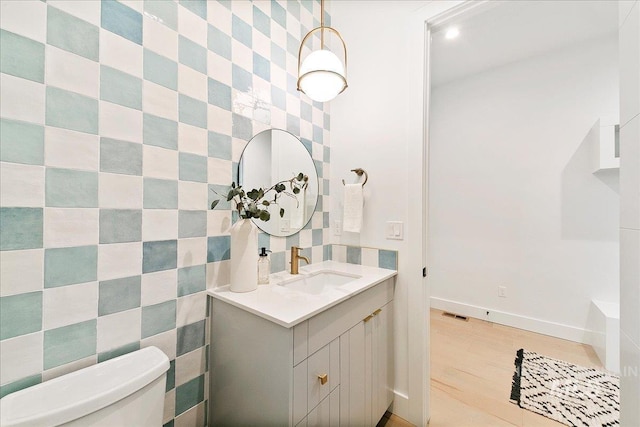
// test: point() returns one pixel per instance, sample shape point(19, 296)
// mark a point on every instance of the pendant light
point(322, 75)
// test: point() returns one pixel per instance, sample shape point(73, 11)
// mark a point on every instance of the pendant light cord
point(322, 24)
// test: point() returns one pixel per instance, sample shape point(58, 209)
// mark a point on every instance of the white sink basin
point(318, 282)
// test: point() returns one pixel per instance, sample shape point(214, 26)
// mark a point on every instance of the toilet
point(125, 391)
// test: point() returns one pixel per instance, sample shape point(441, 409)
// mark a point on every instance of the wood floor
point(471, 371)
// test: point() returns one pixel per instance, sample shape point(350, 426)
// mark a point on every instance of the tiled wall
point(629, 44)
point(118, 117)
point(371, 257)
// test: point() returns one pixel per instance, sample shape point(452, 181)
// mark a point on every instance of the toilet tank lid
point(82, 392)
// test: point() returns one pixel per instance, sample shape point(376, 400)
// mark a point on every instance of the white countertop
point(288, 307)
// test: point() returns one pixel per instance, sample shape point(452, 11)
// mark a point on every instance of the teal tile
point(160, 132)
point(219, 42)
point(199, 7)
point(189, 394)
point(242, 31)
point(160, 255)
point(293, 7)
point(278, 56)
point(72, 34)
point(218, 248)
point(327, 252)
point(293, 240)
point(20, 314)
point(120, 351)
point(219, 94)
point(192, 55)
point(160, 194)
point(21, 142)
point(261, 67)
point(21, 228)
point(21, 384)
point(70, 110)
point(120, 225)
point(192, 111)
point(193, 167)
point(190, 337)
point(325, 220)
point(278, 262)
point(354, 255)
point(67, 266)
point(293, 124)
point(160, 70)
point(317, 237)
point(261, 22)
point(191, 280)
point(69, 343)
point(120, 88)
point(165, 12)
point(388, 259)
point(306, 111)
point(21, 57)
point(171, 376)
point(219, 146)
point(241, 79)
point(241, 127)
point(121, 20)
point(120, 157)
point(219, 192)
point(158, 318)
point(68, 188)
point(192, 224)
point(119, 295)
point(278, 98)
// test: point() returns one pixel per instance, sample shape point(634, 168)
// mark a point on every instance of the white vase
point(244, 256)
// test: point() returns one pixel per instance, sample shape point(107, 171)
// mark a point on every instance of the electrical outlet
point(502, 291)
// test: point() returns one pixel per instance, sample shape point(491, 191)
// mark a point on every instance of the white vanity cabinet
point(332, 369)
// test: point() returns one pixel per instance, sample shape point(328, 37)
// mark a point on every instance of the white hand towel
point(353, 202)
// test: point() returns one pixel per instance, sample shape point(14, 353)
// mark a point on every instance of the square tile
point(27, 18)
point(192, 111)
point(165, 341)
point(120, 225)
point(72, 72)
point(61, 142)
point(21, 142)
point(160, 255)
point(72, 34)
point(119, 295)
point(219, 94)
point(190, 337)
point(192, 54)
point(192, 195)
point(21, 357)
point(199, 7)
point(191, 280)
point(68, 266)
point(158, 318)
point(241, 31)
point(191, 24)
point(21, 271)
point(120, 122)
point(21, 56)
point(65, 227)
point(20, 314)
point(192, 139)
point(160, 69)
point(218, 248)
point(70, 110)
point(120, 88)
point(159, 224)
point(160, 194)
point(193, 167)
point(21, 185)
point(121, 20)
point(160, 101)
point(118, 330)
point(160, 38)
point(68, 305)
point(219, 171)
point(192, 224)
point(189, 394)
point(219, 145)
point(69, 343)
point(120, 157)
point(160, 132)
point(388, 259)
point(159, 287)
point(192, 251)
point(22, 99)
point(120, 191)
point(21, 228)
point(190, 366)
point(164, 12)
point(86, 10)
point(120, 53)
point(120, 351)
point(219, 42)
point(119, 260)
point(192, 308)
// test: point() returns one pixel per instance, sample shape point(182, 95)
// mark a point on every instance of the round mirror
point(272, 156)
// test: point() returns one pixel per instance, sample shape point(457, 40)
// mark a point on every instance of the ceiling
point(502, 32)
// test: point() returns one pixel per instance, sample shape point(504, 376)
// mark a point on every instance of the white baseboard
point(400, 405)
point(544, 327)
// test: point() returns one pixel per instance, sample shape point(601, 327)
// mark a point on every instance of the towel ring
point(359, 172)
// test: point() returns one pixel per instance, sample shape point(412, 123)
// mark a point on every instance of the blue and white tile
point(339, 253)
point(159, 224)
point(192, 195)
point(192, 82)
point(72, 72)
point(68, 227)
point(243, 10)
point(219, 119)
point(120, 122)
point(169, 403)
point(237, 147)
point(21, 185)
point(218, 222)
point(219, 16)
point(58, 371)
point(160, 162)
point(194, 416)
point(278, 118)
point(191, 309)
point(369, 257)
point(159, 287)
point(306, 238)
point(119, 260)
point(166, 341)
point(27, 18)
point(60, 142)
point(159, 101)
point(116, 330)
point(192, 251)
point(261, 44)
point(120, 53)
point(86, 10)
point(21, 271)
point(278, 244)
point(191, 25)
point(219, 171)
point(137, 5)
point(219, 68)
point(218, 274)
point(190, 366)
point(193, 139)
point(21, 357)
point(117, 191)
point(71, 304)
point(22, 99)
point(160, 38)
point(241, 55)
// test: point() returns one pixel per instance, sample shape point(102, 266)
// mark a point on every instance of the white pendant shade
point(322, 76)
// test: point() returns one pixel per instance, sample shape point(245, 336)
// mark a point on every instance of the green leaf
point(265, 202)
point(233, 185)
point(230, 195)
point(281, 212)
point(296, 190)
point(214, 203)
point(254, 194)
point(265, 215)
point(300, 176)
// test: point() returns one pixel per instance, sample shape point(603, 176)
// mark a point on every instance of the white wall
point(629, 34)
point(513, 201)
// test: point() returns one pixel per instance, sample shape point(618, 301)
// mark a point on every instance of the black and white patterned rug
point(568, 393)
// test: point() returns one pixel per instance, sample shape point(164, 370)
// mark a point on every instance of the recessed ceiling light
point(452, 33)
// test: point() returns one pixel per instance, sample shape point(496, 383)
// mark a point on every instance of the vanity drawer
point(323, 373)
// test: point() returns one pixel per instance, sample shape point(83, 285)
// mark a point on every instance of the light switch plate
point(394, 230)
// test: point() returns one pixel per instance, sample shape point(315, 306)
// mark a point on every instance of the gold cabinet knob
point(369, 317)
point(323, 378)
point(378, 311)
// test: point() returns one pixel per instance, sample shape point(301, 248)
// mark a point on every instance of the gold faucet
point(295, 258)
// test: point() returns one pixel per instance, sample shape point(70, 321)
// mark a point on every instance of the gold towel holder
point(359, 172)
